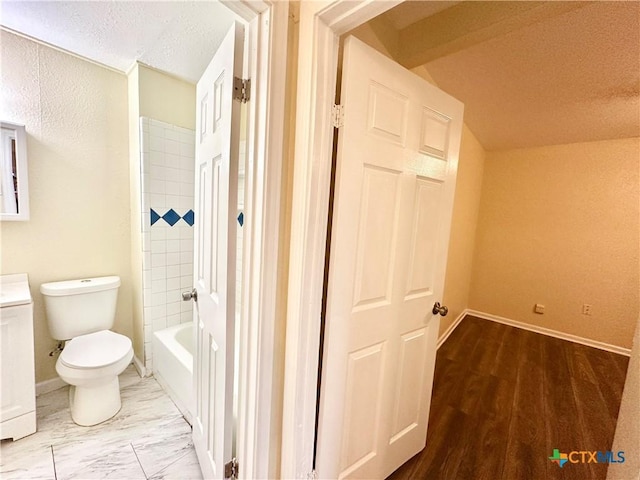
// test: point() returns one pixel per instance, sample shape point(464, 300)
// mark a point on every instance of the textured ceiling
point(570, 76)
point(177, 37)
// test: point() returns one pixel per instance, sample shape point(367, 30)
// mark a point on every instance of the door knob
point(193, 294)
point(442, 310)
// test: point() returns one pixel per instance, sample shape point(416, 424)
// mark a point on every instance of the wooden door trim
point(265, 64)
point(321, 24)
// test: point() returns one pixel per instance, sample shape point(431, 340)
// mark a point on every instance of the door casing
point(321, 24)
point(265, 62)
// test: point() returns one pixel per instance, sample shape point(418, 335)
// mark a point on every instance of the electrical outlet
point(539, 308)
point(586, 309)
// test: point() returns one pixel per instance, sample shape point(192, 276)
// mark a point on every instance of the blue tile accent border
point(172, 217)
point(188, 217)
point(154, 216)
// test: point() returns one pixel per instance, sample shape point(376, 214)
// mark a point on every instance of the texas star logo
point(559, 458)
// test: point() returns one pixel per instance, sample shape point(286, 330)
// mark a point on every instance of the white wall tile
point(157, 311)
point(156, 143)
point(158, 273)
point(173, 308)
point(187, 149)
point(146, 242)
point(172, 174)
point(186, 246)
point(187, 137)
point(159, 300)
point(173, 283)
point(174, 246)
point(172, 134)
point(158, 233)
point(186, 189)
point(156, 131)
point(167, 171)
point(173, 271)
point(172, 160)
point(186, 233)
point(188, 164)
point(158, 260)
point(146, 222)
point(158, 286)
point(158, 173)
point(173, 233)
point(156, 159)
point(173, 188)
point(159, 323)
point(186, 176)
point(172, 201)
point(173, 258)
point(159, 246)
point(174, 296)
point(171, 146)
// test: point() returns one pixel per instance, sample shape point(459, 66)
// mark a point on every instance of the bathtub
point(173, 364)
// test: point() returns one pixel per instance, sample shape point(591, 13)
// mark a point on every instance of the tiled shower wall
point(167, 162)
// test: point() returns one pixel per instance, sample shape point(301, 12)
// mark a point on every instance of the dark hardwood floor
point(505, 398)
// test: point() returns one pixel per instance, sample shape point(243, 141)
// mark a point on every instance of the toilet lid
point(93, 350)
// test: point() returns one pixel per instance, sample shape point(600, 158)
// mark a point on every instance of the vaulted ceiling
point(529, 73)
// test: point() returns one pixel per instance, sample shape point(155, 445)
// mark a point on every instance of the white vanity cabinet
point(17, 377)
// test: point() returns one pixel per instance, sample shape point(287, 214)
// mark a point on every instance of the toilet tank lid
point(77, 287)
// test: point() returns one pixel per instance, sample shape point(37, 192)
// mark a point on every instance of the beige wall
point(558, 225)
point(463, 228)
point(167, 98)
point(75, 114)
point(160, 96)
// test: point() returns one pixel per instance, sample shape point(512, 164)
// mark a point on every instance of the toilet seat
point(95, 350)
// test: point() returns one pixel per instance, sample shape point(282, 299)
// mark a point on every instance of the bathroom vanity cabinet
point(17, 377)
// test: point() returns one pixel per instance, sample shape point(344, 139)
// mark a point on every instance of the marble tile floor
point(147, 440)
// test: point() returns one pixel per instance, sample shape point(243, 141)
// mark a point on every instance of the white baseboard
point(49, 386)
point(140, 368)
point(551, 333)
point(452, 327)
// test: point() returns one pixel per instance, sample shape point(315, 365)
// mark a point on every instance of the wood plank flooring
point(504, 398)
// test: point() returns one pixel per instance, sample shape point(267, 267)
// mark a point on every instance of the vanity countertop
point(14, 290)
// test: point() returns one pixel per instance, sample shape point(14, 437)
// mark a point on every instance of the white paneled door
point(395, 179)
point(216, 174)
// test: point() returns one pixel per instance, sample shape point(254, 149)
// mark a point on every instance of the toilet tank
point(78, 307)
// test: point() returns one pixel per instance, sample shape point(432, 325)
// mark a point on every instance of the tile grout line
point(53, 460)
point(172, 463)
point(139, 463)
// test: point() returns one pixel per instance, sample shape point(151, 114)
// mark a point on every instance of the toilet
point(81, 312)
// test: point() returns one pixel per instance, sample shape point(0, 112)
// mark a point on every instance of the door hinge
point(337, 116)
point(231, 469)
point(241, 89)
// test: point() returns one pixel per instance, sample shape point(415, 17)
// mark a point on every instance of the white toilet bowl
point(91, 364)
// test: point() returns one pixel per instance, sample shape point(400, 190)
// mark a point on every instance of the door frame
point(321, 24)
point(267, 26)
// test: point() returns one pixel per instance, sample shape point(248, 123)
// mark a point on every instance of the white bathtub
point(173, 364)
